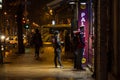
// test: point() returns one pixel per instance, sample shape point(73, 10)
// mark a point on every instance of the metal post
point(21, 48)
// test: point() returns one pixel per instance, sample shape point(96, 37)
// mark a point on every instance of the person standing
point(75, 43)
point(79, 50)
point(37, 41)
point(57, 49)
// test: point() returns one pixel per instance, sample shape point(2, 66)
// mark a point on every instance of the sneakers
point(59, 67)
point(56, 67)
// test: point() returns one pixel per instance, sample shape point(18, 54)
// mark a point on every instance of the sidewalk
point(26, 67)
point(46, 57)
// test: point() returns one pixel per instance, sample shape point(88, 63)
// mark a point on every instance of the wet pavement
point(26, 67)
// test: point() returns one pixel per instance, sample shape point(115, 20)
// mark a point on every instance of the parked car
point(14, 40)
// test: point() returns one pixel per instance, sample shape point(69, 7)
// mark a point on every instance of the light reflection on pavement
point(25, 67)
point(43, 73)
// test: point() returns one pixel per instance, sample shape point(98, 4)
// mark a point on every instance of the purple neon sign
point(83, 21)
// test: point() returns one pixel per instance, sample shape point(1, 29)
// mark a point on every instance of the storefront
point(85, 25)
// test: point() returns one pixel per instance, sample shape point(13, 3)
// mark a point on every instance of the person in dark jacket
point(80, 50)
point(37, 41)
point(79, 45)
point(57, 50)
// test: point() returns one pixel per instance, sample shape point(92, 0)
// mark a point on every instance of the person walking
point(57, 49)
point(37, 41)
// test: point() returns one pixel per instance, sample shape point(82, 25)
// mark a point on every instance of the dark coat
point(37, 40)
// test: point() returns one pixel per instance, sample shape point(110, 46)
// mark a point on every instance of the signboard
point(83, 26)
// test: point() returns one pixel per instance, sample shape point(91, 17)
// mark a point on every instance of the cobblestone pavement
point(26, 67)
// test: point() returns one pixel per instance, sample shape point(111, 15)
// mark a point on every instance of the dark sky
point(35, 7)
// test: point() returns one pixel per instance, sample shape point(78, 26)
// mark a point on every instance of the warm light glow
point(23, 21)
point(83, 3)
point(15, 16)
point(34, 24)
point(5, 13)
point(2, 37)
point(51, 12)
point(0, 6)
point(0, 1)
point(28, 20)
point(23, 18)
point(53, 22)
point(71, 2)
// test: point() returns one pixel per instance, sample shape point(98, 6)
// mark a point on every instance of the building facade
point(107, 45)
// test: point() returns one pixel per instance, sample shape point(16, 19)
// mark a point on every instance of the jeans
point(57, 57)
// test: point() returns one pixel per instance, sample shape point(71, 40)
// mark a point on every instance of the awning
point(54, 4)
point(57, 26)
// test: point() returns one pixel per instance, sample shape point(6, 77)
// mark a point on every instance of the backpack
point(56, 42)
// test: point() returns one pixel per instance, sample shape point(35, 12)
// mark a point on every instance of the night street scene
point(59, 39)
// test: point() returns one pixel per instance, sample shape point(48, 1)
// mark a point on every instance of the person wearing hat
point(78, 50)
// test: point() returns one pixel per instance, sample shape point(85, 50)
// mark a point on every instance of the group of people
point(38, 43)
point(78, 42)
